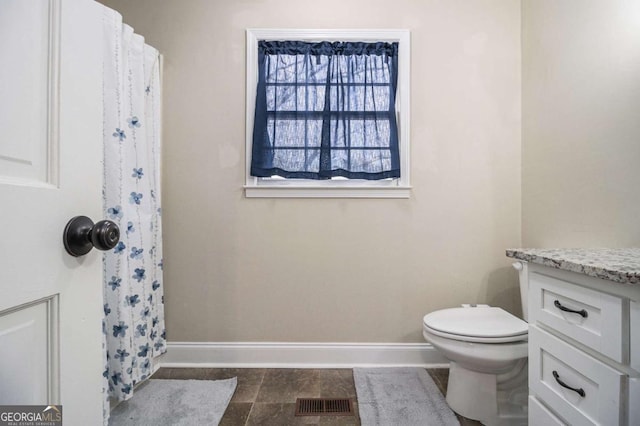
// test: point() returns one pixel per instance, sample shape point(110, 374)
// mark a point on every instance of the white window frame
point(333, 188)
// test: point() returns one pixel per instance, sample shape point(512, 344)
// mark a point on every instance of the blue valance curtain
point(325, 110)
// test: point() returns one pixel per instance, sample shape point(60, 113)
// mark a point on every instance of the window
point(327, 113)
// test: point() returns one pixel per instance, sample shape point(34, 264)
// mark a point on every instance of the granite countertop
point(618, 265)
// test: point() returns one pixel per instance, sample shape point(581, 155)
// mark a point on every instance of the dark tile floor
point(268, 396)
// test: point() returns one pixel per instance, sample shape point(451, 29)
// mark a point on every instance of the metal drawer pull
point(579, 391)
point(581, 312)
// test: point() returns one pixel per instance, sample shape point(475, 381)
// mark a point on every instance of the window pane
point(286, 133)
point(360, 133)
point(378, 99)
point(284, 99)
point(314, 133)
point(376, 133)
point(370, 161)
point(305, 160)
point(316, 98)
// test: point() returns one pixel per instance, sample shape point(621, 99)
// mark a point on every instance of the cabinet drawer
point(539, 415)
point(592, 318)
point(600, 385)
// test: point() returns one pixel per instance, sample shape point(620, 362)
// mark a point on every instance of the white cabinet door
point(591, 317)
point(576, 386)
point(50, 171)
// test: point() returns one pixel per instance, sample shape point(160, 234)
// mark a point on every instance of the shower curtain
point(133, 293)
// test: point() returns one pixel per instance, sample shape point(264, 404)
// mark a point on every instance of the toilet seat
point(481, 325)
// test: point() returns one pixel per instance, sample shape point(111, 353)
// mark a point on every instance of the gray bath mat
point(400, 396)
point(175, 402)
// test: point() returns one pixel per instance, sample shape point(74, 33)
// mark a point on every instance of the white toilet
point(487, 347)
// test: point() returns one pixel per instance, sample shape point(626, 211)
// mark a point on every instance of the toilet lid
point(485, 322)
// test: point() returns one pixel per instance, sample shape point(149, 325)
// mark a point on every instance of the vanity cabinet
point(584, 349)
point(584, 335)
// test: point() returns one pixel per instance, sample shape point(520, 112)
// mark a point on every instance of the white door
point(50, 171)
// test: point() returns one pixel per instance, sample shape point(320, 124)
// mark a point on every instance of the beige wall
point(334, 270)
point(581, 123)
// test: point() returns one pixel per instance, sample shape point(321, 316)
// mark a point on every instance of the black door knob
point(81, 235)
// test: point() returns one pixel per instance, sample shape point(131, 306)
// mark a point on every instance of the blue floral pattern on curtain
point(133, 294)
point(326, 109)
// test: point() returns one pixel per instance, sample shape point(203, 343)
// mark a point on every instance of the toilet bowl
point(488, 340)
point(487, 348)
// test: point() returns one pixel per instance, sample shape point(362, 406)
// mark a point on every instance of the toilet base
point(493, 400)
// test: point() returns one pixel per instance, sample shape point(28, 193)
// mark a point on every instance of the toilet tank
point(523, 274)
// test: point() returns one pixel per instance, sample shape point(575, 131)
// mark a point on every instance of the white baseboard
point(300, 355)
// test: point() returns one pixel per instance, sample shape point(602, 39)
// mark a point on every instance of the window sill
point(327, 192)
